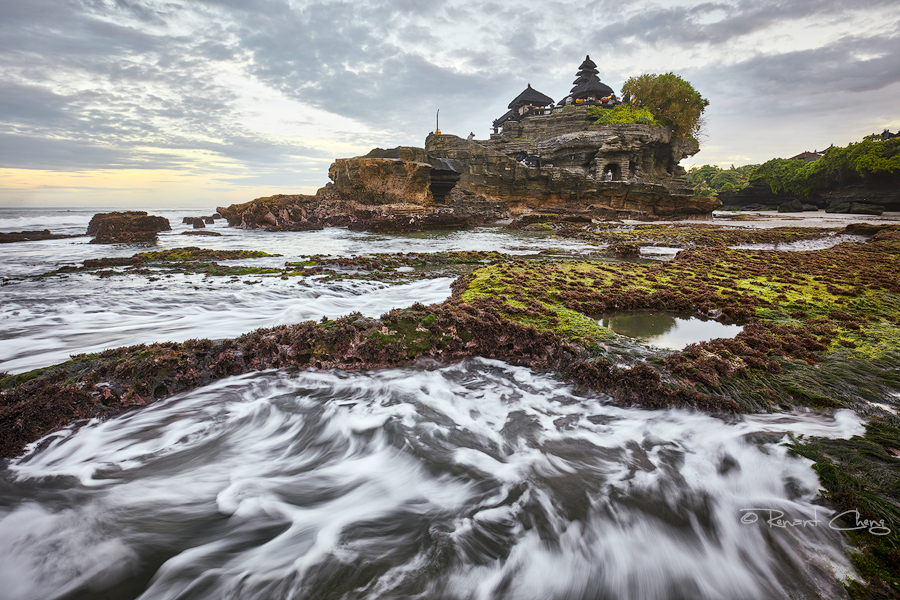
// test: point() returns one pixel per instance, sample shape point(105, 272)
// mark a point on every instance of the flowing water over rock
point(476, 480)
point(43, 321)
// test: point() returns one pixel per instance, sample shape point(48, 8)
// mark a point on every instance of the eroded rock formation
point(560, 163)
point(856, 195)
point(126, 227)
point(635, 157)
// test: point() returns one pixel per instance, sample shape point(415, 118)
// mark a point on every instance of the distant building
point(883, 136)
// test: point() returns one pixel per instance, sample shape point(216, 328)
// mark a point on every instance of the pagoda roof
point(587, 64)
point(593, 87)
point(509, 114)
point(530, 96)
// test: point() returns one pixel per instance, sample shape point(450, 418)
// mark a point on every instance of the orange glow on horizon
point(130, 187)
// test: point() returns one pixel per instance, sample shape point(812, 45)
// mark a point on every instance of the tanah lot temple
point(587, 90)
point(544, 158)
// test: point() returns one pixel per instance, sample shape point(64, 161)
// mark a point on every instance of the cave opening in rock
point(612, 172)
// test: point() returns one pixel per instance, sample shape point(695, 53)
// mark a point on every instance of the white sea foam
point(476, 480)
point(42, 325)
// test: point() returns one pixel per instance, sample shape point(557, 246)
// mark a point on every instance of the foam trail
point(476, 480)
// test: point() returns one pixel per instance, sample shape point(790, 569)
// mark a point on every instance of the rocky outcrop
point(31, 236)
point(274, 213)
point(881, 192)
point(855, 208)
point(496, 175)
point(560, 163)
point(383, 181)
point(126, 227)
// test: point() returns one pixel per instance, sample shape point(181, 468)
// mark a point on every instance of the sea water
point(471, 480)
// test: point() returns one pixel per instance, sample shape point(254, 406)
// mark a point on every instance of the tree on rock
point(672, 100)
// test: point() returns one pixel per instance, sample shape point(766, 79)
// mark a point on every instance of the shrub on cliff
point(837, 165)
point(671, 100)
point(622, 114)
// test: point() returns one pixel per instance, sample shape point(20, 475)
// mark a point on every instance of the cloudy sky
point(208, 102)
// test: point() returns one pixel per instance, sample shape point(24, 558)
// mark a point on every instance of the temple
point(529, 102)
point(587, 86)
point(553, 160)
point(587, 90)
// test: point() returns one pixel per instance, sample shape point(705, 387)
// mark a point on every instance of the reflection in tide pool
point(667, 330)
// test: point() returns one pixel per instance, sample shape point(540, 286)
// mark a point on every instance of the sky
point(204, 103)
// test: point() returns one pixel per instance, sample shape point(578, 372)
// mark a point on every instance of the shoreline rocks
point(871, 194)
point(126, 227)
point(31, 236)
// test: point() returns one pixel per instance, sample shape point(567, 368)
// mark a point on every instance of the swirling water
point(472, 480)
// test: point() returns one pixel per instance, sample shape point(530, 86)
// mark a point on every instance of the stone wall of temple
point(495, 175)
point(570, 140)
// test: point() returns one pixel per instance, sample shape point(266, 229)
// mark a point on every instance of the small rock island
point(542, 157)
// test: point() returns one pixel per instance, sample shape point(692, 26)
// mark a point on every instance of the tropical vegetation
point(709, 180)
point(671, 100)
point(838, 165)
point(622, 114)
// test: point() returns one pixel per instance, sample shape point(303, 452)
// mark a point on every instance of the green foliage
point(622, 114)
point(709, 180)
point(671, 100)
point(863, 159)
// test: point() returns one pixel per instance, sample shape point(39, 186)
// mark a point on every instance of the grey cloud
point(28, 152)
point(803, 77)
point(356, 59)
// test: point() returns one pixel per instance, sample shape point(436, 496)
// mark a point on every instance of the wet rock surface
point(820, 329)
point(801, 311)
point(30, 236)
point(126, 227)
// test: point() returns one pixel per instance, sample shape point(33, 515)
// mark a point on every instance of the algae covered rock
point(126, 227)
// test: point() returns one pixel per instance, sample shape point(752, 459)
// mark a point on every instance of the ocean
point(477, 479)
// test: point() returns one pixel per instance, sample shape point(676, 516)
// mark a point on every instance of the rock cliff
point(561, 163)
point(584, 187)
point(857, 195)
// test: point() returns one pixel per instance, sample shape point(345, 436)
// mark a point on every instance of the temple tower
point(587, 87)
